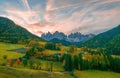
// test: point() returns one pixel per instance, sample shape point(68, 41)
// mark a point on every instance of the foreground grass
point(8, 72)
point(3, 75)
point(96, 74)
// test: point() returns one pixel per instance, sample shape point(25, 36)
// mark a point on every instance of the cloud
point(98, 21)
point(28, 17)
point(26, 4)
point(22, 16)
point(86, 16)
point(40, 28)
point(52, 7)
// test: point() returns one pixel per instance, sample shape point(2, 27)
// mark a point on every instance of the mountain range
point(60, 37)
point(109, 40)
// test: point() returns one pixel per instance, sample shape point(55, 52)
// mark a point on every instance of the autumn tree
point(72, 48)
point(18, 61)
point(33, 48)
point(11, 62)
point(58, 46)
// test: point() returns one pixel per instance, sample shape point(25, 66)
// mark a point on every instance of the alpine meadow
point(59, 39)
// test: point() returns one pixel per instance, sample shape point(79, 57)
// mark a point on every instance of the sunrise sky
point(85, 16)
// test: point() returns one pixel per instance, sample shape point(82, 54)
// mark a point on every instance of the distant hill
point(109, 40)
point(71, 39)
point(12, 33)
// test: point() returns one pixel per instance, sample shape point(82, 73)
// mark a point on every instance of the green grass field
point(8, 72)
point(96, 74)
point(4, 50)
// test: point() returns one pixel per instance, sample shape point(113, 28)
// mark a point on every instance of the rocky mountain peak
point(73, 37)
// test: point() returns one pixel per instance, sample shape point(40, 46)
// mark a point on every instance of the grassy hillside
point(104, 38)
point(108, 40)
point(13, 33)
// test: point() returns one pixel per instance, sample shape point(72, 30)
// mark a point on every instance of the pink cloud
point(84, 16)
point(29, 17)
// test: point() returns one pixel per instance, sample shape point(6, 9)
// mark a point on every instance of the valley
point(59, 39)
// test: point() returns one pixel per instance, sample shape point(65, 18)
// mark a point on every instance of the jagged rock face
point(47, 36)
point(59, 35)
point(73, 37)
point(78, 37)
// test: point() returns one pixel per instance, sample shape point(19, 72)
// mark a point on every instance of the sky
point(41, 16)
